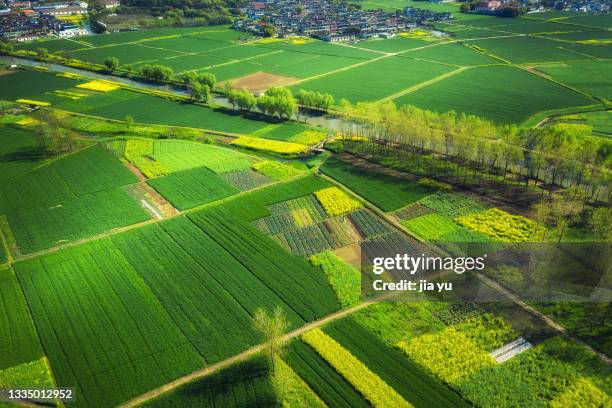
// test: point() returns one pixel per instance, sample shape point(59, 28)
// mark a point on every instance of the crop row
point(412, 211)
point(452, 205)
point(246, 179)
point(370, 385)
point(295, 281)
point(324, 380)
point(101, 326)
point(368, 224)
point(406, 377)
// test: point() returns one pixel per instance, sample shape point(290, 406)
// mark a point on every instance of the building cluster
point(534, 6)
point(26, 20)
point(329, 20)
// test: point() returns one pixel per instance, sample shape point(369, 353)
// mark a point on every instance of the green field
point(190, 188)
point(386, 192)
point(245, 384)
point(593, 78)
point(453, 54)
point(76, 296)
point(19, 152)
point(406, 377)
point(486, 92)
point(18, 338)
point(383, 78)
point(69, 199)
point(532, 50)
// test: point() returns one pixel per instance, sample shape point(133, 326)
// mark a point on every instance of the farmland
point(453, 94)
point(69, 199)
point(157, 250)
point(386, 192)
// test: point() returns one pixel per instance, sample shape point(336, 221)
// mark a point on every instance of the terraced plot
point(485, 92)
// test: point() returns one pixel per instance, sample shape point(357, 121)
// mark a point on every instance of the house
point(488, 6)
point(110, 4)
point(337, 37)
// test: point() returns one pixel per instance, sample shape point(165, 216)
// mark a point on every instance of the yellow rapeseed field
point(99, 86)
point(336, 202)
point(370, 385)
point(273, 146)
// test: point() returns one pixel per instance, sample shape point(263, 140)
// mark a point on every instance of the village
point(27, 20)
point(330, 21)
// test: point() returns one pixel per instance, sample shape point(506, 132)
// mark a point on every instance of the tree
point(51, 132)
point(199, 92)
point(269, 31)
point(42, 53)
point(156, 73)
point(5, 47)
point(600, 222)
point(245, 100)
point(272, 328)
point(129, 121)
point(566, 210)
point(209, 79)
point(111, 63)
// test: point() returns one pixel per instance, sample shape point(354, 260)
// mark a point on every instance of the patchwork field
point(101, 292)
point(69, 199)
point(388, 193)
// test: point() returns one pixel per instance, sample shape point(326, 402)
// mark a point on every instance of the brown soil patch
point(261, 81)
point(6, 72)
point(351, 254)
point(135, 170)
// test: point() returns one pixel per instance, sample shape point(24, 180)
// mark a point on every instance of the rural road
point(213, 368)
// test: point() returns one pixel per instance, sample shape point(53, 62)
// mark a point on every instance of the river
point(313, 119)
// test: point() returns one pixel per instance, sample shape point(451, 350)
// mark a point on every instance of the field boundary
point(211, 369)
point(425, 84)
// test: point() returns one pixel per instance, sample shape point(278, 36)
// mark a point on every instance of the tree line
point(467, 149)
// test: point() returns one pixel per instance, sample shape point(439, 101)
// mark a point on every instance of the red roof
point(259, 5)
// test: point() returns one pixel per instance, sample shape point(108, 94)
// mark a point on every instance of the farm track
point(424, 84)
point(131, 227)
point(211, 369)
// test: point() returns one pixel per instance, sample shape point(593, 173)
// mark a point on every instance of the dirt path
point(211, 369)
point(533, 311)
point(424, 84)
